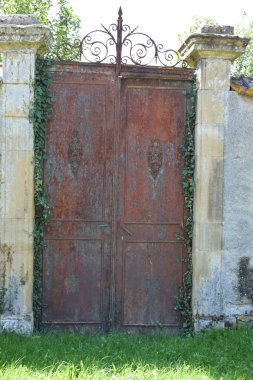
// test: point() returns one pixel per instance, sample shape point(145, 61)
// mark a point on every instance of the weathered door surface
point(79, 182)
point(150, 210)
point(112, 176)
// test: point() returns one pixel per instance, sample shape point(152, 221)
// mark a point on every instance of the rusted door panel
point(77, 153)
point(112, 176)
point(78, 181)
point(149, 255)
point(151, 277)
point(74, 281)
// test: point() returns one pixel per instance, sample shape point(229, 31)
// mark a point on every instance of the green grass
point(224, 354)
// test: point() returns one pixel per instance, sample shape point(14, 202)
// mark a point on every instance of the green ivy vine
point(39, 115)
point(187, 181)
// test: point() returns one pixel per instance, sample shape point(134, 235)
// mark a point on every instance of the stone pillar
point(211, 52)
point(20, 38)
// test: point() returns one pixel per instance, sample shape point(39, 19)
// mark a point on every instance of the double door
point(112, 174)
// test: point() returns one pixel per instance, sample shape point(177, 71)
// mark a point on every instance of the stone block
point(19, 282)
point(208, 197)
point(18, 19)
point(208, 237)
point(207, 292)
point(18, 67)
point(17, 234)
point(18, 180)
point(18, 98)
point(213, 74)
point(16, 134)
point(16, 258)
point(209, 140)
point(245, 321)
point(211, 107)
point(20, 325)
point(218, 29)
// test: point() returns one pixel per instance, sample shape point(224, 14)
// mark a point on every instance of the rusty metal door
point(112, 176)
point(150, 209)
point(78, 176)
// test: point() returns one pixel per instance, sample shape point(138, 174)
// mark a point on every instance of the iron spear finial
point(120, 13)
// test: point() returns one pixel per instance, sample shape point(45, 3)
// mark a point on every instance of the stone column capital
point(23, 33)
point(214, 42)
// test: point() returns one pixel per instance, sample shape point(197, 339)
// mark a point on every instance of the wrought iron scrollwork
point(119, 44)
point(102, 50)
point(140, 49)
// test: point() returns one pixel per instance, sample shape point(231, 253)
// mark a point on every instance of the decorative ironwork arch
point(120, 45)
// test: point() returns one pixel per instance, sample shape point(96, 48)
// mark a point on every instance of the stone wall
point(237, 256)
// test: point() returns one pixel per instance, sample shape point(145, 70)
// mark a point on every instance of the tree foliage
point(195, 27)
point(244, 64)
point(65, 25)
point(39, 7)
point(65, 28)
